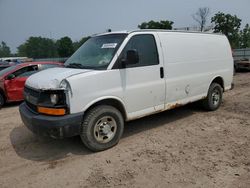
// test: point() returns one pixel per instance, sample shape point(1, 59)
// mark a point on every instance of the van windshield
point(96, 53)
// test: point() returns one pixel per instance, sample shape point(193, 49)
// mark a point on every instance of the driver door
point(143, 83)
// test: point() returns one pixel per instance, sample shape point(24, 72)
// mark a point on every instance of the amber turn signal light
point(52, 111)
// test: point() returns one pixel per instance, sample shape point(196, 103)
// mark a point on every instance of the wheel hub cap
point(215, 97)
point(105, 129)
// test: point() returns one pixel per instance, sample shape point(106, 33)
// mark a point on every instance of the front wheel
point(102, 128)
point(214, 97)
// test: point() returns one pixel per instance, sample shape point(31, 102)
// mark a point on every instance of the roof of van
point(155, 30)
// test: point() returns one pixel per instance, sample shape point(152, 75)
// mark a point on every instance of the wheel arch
point(112, 101)
point(219, 80)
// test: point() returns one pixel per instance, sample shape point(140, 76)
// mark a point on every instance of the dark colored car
point(4, 67)
point(12, 79)
point(242, 64)
point(4, 64)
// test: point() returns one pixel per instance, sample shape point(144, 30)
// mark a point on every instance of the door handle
point(161, 72)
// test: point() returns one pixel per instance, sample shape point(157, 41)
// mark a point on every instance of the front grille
point(32, 107)
point(31, 97)
point(34, 98)
point(31, 92)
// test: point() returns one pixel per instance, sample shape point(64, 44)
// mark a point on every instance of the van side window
point(146, 47)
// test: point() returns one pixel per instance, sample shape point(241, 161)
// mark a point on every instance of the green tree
point(65, 47)
point(38, 47)
point(245, 37)
point(228, 25)
point(21, 50)
point(156, 25)
point(4, 50)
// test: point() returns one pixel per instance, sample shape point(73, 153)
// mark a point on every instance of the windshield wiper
point(80, 66)
point(75, 65)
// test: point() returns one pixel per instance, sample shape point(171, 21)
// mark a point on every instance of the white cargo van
point(121, 76)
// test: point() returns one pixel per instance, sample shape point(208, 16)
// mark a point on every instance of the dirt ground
point(184, 147)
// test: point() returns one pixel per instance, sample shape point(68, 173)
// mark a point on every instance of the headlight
point(54, 98)
point(53, 102)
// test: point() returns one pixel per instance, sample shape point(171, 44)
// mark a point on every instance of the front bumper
point(51, 126)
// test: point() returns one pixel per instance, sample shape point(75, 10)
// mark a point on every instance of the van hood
point(51, 78)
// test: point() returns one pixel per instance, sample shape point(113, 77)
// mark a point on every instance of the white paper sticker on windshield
point(109, 45)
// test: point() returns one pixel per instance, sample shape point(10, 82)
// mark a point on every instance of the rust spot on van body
point(144, 115)
point(176, 105)
point(204, 97)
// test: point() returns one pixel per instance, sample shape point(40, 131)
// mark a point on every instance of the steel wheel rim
point(105, 129)
point(215, 97)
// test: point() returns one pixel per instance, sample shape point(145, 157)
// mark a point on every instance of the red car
point(12, 79)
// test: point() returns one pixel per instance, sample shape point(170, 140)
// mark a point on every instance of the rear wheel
point(102, 128)
point(2, 101)
point(214, 97)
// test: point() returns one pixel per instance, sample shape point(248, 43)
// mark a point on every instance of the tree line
point(40, 47)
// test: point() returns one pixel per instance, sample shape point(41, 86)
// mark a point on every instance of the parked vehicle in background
point(122, 76)
point(12, 79)
point(15, 59)
point(9, 61)
point(241, 59)
point(242, 64)
point(4, 66)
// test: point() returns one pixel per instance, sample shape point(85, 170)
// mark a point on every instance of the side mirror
point(10, 77)
point(132, 57)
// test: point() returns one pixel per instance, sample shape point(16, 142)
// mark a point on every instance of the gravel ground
point(184, 147)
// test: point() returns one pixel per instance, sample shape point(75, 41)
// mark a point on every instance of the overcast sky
point(20, 19)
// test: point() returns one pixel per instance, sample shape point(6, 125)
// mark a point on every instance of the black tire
point(214, 97)
point(102, 128)
point(2, 100)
